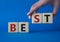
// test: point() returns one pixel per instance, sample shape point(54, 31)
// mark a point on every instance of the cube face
point(37, 18)
point(23, 27)
point(47, 18)
point(13, 27)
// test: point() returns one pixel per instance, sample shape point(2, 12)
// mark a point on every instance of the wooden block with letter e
point(23, 27)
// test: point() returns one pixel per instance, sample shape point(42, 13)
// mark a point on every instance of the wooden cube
point(47, 18)
point(12, 27)
point(37, 18)
point(23, 27)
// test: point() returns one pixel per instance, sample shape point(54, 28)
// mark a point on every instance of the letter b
point(12, 27)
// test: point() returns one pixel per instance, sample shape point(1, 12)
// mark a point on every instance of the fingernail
point(29, 17)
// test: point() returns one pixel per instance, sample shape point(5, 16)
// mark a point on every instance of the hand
point(41, 3)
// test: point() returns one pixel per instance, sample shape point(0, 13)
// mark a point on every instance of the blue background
point(16, 11)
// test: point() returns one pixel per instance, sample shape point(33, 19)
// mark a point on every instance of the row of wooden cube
point(14, 27)
point(42, 18)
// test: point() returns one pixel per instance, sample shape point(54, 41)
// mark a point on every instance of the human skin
point(41, 3)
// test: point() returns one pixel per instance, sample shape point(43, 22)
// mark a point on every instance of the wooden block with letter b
point(47, 18)
point(37, 18)
point(12, 27)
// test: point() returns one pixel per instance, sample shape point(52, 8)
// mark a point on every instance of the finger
point(30, 15)
point(54, 15)
point(56, 6)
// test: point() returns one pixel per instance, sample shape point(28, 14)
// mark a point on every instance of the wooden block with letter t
point(47, 18)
